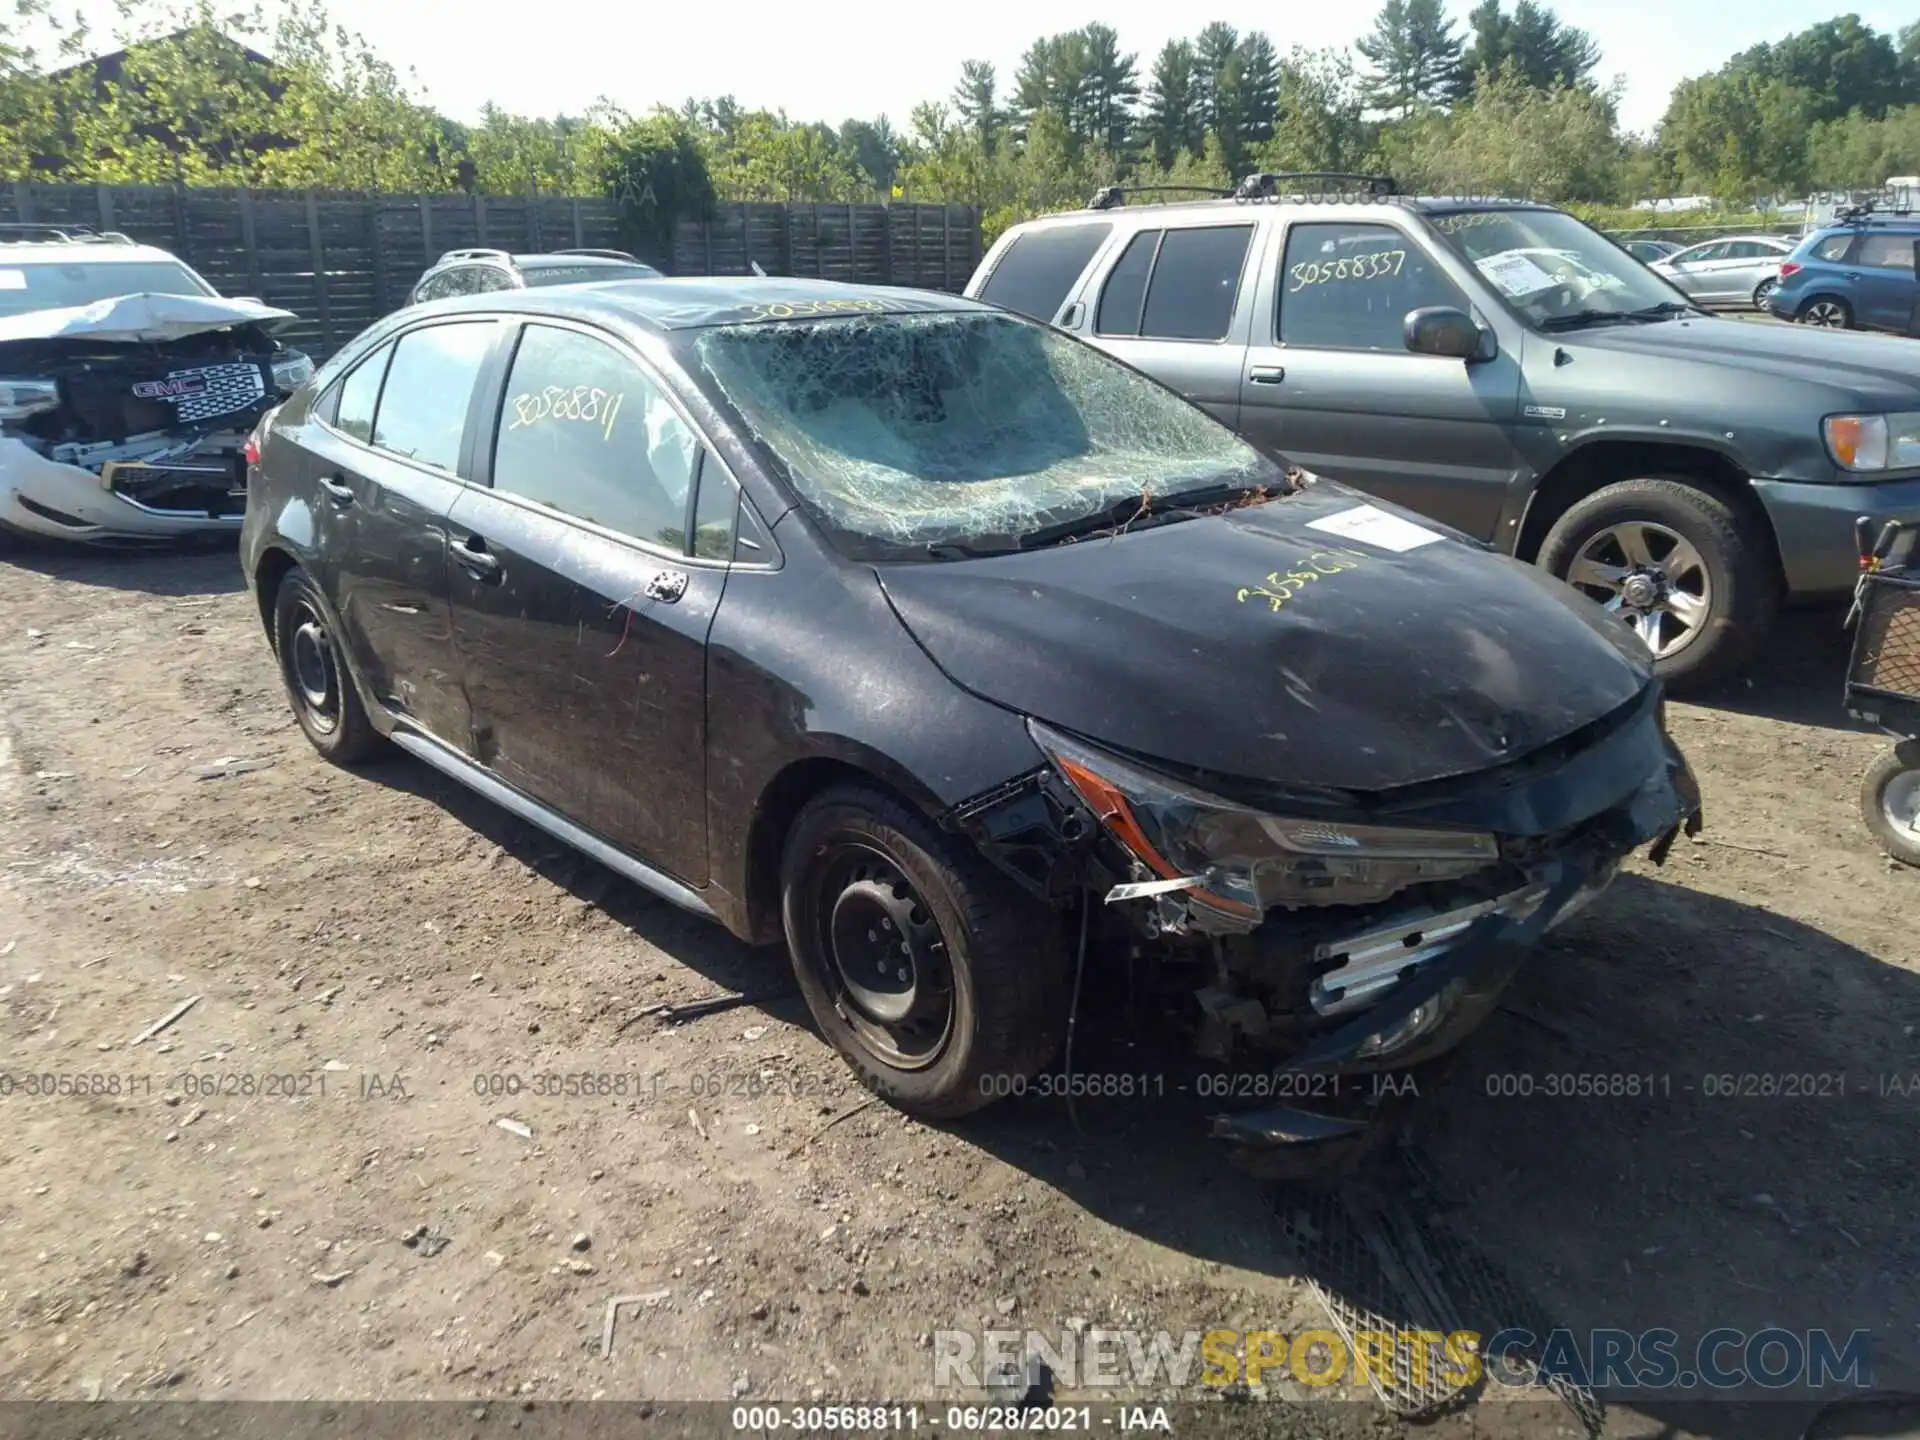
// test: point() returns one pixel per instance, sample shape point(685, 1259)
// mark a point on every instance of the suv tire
point(319, 686)
point(1699, 546)
point(984, 990)
point(1827, 311)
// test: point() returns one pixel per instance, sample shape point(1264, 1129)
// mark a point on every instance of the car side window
point(423, 405)
point(436, 287)
point(488, 278)
point(1350, 286)
point(715, 512)
point(1887, 252)
point(1833, 249)
point(1195, 281)
point(585, 432)
point(358, 394)
point(1747, 250)
point(1125, 293)
point(1704, 252)
point(1039, 268)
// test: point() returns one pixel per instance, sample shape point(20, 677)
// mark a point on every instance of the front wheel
point(1890, 802)
point(1826, 312)
point(1684, 569)
point(937, 980)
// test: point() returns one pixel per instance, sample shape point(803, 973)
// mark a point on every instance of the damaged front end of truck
point(1300, 936)
point(123, 422)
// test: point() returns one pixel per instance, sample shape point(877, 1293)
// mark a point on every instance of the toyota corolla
point(967, 661)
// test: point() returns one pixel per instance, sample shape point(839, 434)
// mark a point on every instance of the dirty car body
point(122, 418)
point(972, 663)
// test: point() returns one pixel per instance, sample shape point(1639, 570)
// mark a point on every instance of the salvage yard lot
point(418, 955)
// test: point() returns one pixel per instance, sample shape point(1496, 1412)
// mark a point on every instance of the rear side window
point(1195, 281)
point(423, 405)
point(1833, 249)
point(1125, 292)
point(359, 392)
point(1887, 252)
point(1039, 268)
point(585, 432)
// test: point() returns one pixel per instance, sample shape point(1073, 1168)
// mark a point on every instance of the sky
point(861, 58)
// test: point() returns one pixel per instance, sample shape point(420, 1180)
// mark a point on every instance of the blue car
point(1858, 275)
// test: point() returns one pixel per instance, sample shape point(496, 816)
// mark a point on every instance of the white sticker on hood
point(13, 279)
point(1371, 525)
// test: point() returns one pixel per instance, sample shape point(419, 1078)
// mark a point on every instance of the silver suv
point(476, 271)
point(1499, 366)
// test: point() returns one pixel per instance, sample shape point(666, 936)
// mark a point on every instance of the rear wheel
point(1890, 802)
point(1682, 567)
point(937, 980)
point(1763, 292)
point(319, 689)
point(1828, 312)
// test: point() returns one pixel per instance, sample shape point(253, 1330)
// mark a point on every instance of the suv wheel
point(1682, 567)
point(937, 980)
point(322, 694)
point(1826, 311)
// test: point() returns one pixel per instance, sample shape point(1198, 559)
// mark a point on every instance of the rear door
point(1330, 384)
point(581, 600)
point(382, 465)
point(1696, 270)
point(1883, 280)
point(1171, 305)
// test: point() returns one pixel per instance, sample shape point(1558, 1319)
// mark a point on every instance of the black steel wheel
point(935, 977)
point(319, 688)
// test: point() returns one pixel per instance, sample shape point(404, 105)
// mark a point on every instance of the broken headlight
point(1248, 861)
point(22, 398)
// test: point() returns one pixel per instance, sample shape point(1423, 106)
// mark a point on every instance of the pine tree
point(977, 98)
point(1171, 122)
point(1413, 54)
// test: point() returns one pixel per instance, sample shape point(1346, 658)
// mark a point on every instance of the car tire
point(324, 698)
point(860, 867)
point(1763, 292)
point(1732, 577)
point(1828, 312)
point(1890, 802)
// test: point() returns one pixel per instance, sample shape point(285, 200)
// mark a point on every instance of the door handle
point(338, 489)
point(668, 586)
point(1267, 374)
point(472, 556)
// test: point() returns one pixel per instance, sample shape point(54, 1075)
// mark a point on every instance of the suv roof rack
point(29, 233)
point(475, 252)
point(1262, 185)
point(599, 254)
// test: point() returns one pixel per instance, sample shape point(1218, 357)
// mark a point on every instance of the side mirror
point(1443, 330)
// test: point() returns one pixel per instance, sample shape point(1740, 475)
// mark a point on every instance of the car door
point(1883, 283)
point(382, 463)
point(1170, 305)
point(581, 604)
point(1330, 384)
point(1748, 263)
point(1696, 271)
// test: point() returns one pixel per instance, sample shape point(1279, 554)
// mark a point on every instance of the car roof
point(1419, 204)
point(690, 302)
point(577, 261)
point(15, 254)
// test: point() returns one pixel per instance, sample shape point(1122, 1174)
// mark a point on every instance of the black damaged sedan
point(978, 668)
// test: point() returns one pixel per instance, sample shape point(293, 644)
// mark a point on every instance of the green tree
point(1413, 56)
point(1547, 52)
point(1511, 137)
point(977, 99)
point(655, 172)
point(1171, 125)
point(1841, 64)
point(1737, 135)
point(1321, 121)
point(1109, 90)
point(874, 150)
point(1216, 81)
point(1259, 98)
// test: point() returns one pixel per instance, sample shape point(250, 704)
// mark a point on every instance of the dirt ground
point(379, 960)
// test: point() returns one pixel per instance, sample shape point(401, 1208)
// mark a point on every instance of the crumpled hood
point(138, 319)
point(1251, 645)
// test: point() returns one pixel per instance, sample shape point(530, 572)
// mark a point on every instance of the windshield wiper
point(1667, 309)
point(1580, 319)
point(1116, 518)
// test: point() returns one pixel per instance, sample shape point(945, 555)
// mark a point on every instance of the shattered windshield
point(901, 432)
point(1556, 271)
point(50, 285)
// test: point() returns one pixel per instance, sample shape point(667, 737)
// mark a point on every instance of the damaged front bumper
point(148, 488)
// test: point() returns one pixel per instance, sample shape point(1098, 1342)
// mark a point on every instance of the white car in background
point(1734, 270)
point(128, 386)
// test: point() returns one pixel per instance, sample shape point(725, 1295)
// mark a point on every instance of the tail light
point(252, 451)
point(1789, 267)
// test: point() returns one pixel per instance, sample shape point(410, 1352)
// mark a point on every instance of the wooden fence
point(342, 261)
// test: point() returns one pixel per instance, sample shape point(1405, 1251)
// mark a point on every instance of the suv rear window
point(1039, 268)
